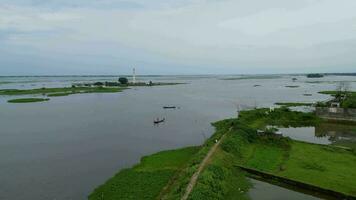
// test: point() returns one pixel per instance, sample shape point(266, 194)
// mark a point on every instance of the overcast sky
point(53, 37)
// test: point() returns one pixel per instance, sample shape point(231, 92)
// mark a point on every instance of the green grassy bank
point(145, 180)
point(163, 176)
point(324, 166)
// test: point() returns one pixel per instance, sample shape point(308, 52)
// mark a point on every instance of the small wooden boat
point(157, 121)
point(169, 107)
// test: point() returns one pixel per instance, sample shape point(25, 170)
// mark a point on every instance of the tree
point(123, 80)
point(342, 90)
point(98, 84)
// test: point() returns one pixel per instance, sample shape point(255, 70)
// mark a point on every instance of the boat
point(169, 107)
point(157, 121)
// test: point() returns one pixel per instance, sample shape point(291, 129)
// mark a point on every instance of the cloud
point(164, 36)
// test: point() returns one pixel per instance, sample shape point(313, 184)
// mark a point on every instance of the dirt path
point(195, 176)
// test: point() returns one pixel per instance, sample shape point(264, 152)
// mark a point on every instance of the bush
point(349, 103)
point(98, 84)
point(123, 80)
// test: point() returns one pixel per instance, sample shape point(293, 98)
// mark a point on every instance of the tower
point(133, 76)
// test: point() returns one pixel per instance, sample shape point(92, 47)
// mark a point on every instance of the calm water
point(64, 148)
point(266, 191)
point(324, 133)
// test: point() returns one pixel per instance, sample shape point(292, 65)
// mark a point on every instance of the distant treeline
point(315, 75)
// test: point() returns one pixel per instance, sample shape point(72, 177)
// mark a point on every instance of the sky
point(109, 37)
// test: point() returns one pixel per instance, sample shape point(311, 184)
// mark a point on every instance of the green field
point(27, 100)
point(145, 180)
point(324, 166)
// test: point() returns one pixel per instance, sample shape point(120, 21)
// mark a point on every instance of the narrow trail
point(202, 165)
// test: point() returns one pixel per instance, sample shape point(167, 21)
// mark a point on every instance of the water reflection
point(267, 191)
point(324, 133)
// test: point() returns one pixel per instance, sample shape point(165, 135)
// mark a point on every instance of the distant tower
point(134, 76)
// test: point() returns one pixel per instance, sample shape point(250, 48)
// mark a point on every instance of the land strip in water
point(98, 87)
point(293, 104)
point(64, 90)
point(27, 100)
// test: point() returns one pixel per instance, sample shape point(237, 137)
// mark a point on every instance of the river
point(64, 148)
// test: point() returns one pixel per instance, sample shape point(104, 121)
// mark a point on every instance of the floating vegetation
point(252, 77)
point(27, 100)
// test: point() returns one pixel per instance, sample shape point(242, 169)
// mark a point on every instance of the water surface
point(64, 148)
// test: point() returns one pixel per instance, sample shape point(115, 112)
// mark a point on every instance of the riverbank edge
point(177, 185)
point(267, 177)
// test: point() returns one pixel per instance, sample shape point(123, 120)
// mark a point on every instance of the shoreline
point(226, 160)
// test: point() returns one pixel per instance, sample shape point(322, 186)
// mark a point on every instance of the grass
point(293, 104)
point(259, 118)
point(221, 180)
point(145, 180)
point(266, 157)
point(165, 175)
point(27, 100)
point(346, 143)
point(61, 91)
point(60, 94)
point(324, 166)
point(178, 186)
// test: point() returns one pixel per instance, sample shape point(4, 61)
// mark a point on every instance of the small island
point(78, 88)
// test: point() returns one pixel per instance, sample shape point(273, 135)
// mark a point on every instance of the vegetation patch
point(60, 94)
point(61, 91)
point(27, 100)
point(145, 180)
point(293, 104)
point(252, 77)
point(292, 86)
point(247, 143)
point(323, 166)
point(347, 99)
